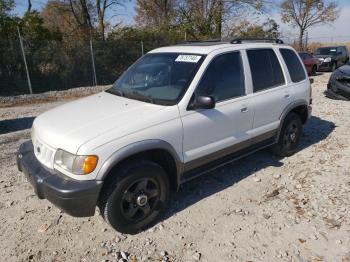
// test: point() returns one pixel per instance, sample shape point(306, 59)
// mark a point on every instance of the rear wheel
point(134, 196)
point(290, 135)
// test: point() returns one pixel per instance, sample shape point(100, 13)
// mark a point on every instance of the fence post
point(142, 51)
point(93, 65)
point(25, 61)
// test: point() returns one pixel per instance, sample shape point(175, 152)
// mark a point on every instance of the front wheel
point(134, 196)
point(289, 137)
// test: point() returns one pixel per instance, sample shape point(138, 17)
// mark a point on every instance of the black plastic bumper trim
point(75, 197)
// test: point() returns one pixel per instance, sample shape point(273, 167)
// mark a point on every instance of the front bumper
point(76, 198)
point(325, 66)
point(339, 87)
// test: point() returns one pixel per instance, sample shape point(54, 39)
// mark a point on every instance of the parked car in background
point(332, 57)
point(339, 82)
point(311, 63)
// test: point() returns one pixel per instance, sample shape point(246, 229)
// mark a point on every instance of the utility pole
point(25, 61)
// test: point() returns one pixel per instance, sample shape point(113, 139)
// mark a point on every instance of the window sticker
point(188, 58)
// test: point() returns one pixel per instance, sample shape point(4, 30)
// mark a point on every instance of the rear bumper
point(76, 198)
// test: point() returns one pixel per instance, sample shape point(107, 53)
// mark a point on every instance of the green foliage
point(57, 46)
point(6, 6)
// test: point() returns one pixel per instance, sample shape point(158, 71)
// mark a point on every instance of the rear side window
point(224, 78)
point(265, 68)
point(294, 66)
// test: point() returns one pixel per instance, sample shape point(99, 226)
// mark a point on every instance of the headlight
point(77, 165)
point(328, 59)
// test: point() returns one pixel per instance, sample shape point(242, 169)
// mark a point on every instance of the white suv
point(176, 113)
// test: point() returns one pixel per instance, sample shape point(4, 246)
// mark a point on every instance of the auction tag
point(188, 58)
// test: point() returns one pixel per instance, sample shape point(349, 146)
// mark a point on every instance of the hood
point(345, 70)
point(71, 125)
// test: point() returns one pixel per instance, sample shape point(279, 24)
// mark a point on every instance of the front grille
point(43, 153)
point(324, 65)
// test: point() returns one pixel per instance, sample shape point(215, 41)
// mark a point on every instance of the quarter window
point(294, 66)
point(265, 68)
point(223, 78)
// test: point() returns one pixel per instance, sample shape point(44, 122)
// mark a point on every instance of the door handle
point(244, 109)
point(286, 95)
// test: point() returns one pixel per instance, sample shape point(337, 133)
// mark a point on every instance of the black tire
point(122, 201)
point(289, 136)
point(314, 70)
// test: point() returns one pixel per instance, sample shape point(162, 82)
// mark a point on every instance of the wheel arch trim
point(136, 148)
point(287, 110)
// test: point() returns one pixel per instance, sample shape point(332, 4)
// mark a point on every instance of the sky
point(339, 31)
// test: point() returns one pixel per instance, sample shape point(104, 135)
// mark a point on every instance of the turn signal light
point(89, 164)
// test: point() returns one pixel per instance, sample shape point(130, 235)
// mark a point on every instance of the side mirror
point(202, 102)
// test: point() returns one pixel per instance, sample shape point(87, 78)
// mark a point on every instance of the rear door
point(270, 94)
point(299, 85)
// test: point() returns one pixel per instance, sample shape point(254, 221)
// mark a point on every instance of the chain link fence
point(58, 65)
point(61, 64)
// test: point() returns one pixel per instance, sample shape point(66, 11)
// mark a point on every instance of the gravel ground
point(260, 208)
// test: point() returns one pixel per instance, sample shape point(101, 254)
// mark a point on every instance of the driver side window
point(224, 78)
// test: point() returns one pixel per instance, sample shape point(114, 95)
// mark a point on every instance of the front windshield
point(159, 78)
point(326, 51)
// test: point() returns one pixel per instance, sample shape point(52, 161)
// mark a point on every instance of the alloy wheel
point(140, 199)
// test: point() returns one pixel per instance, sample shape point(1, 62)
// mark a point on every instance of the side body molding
point(135, 148)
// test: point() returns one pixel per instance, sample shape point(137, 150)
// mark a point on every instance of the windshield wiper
point(116, 92)
point(139, 96)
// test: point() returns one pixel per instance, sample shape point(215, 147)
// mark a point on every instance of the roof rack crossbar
point(240, 40)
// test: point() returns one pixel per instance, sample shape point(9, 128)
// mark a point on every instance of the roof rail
point(240, 40)
point(201, 41)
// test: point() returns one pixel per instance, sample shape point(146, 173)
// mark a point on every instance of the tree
point(6, 6)
point(206, 17)
point(29, 6)
point(101, 7)
point(82, 12)
point(307, 13)
point(155, 13)
point(200, 18)
point(245, 29)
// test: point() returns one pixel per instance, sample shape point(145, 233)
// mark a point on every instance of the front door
point(207, 131)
